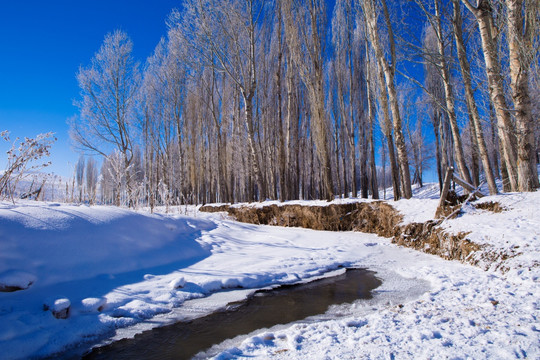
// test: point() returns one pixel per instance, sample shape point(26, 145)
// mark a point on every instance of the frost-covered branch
point(22, 158)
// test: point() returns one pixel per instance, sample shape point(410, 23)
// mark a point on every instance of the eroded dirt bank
point(376, 217)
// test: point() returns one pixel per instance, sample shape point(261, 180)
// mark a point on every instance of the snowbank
point(69, 259)
point(510, 238)
point(112, 272)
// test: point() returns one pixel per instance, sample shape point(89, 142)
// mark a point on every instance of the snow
point(93, 304)
point(61, 305)
point(120, 272)
point(177, 283)
point(16, 279)
point(513, 233)
point(456, 318)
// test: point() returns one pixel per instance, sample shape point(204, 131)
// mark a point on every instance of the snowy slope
point(81, 254)
point(511, 238)
point(123, 271)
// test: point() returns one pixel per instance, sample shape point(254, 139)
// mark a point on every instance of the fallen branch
point(470, 188)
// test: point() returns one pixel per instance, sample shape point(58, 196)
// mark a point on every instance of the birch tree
point(457, 23)
point(523, 19)
point(483, 13)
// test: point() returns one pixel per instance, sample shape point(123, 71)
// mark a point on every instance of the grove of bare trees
point(247, 100)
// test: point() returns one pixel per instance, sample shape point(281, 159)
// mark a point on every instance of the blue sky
point(42, 45)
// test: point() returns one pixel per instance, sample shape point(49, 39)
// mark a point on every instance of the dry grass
point(375, 217)
point(491, 206)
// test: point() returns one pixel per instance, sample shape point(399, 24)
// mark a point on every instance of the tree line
point(251, 100)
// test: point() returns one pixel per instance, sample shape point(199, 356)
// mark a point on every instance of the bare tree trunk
point(371, 116)
point(438, 153)
point(389, 139)
point(506, 129)
point(310, 67)
point(389, 70)
point(475, 167)
point(292, 191)
point(352, 134)
point(507, 187)
point(221, 148)
point(449, 97)
point(519, 40)
point(363, 160)
point(383, 98)
point(344, 153)
point(469, 97)
point(383, 161)
point(494, 141)
point(346, 133)
point(322, 144)
point(259, 180)
point(282, 142)
point(337, 150)
point(372, 165)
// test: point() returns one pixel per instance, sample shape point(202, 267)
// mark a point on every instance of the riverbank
point(123, 272)
point(466, 312)
point(495, 232)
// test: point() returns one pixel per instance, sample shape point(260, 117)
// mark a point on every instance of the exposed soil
point(375, 217)
point(453, 199)
point(7, 288)
point(214, 208)
point(491, 206)
point(430, 238)
point(452, 206)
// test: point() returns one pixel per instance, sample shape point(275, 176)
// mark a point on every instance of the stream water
point(266, 308)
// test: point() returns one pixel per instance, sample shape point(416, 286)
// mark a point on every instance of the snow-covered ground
point(122, 271)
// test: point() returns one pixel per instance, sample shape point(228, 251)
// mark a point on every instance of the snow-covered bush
point(23, 158)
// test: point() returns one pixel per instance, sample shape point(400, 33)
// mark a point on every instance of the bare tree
point(113, 181)
point(523, 19)
point(304, 28)
point(371, 13)
point(483, 13)
point(448, 90)
point(79, 175)
point(162, 120)
point(469, 97)
point(347, 67)
point(92, 173)
point(108, 93)
point(226, 34)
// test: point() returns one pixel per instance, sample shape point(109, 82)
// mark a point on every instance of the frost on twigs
point(24, 156)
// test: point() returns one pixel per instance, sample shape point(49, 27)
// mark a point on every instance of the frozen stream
point(265, 309)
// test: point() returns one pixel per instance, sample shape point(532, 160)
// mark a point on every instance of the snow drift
point(66, 259)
